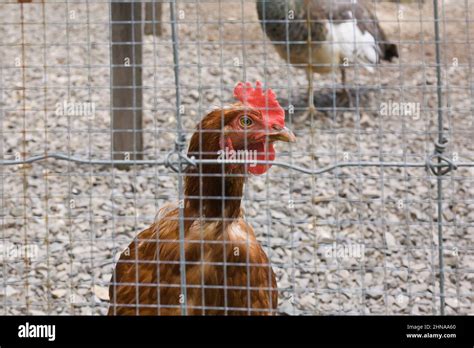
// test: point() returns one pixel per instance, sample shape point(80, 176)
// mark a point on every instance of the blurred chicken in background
point(323, 35)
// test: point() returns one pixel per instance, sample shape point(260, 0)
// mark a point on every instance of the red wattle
point(265, 152)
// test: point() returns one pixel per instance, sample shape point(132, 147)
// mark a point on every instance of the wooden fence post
point(126, 75)
point(153, 11)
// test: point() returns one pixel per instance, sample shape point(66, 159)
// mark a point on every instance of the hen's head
point(247, 128)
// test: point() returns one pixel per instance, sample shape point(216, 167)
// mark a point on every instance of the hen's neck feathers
point(213, 190)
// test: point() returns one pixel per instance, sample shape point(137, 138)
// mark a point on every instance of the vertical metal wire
point(155, 144)
point(441, 140)
point(179, 141)
point(337, 147)
point(448, 94)
point(290, 118)
point(23, 155)
point(469, 20)
point(46, 183)
point(246, 189)
point(3, 254)
point(222, 179)
point(404, 199)
point(358, 131)
point(200, 109)
point(426, 108)
point(470, 46)
point(134, 16)
point(111, 134)
point(268, 216)
point(69, 147)
point(381, 130)
point(93, 235)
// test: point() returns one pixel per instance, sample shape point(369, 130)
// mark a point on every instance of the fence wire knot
point(176, 160)
point(180, 143)
point(439, 164)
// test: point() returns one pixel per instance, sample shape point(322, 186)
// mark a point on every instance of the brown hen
point(226, 269)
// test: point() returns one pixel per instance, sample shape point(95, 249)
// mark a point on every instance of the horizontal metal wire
point(195, 162)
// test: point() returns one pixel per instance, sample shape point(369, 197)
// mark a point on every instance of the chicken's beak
point(284, 134)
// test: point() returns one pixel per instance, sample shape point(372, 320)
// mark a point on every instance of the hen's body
point(211, 286)
point(324, 35)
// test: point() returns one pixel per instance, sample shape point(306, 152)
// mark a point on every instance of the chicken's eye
point(246, 121)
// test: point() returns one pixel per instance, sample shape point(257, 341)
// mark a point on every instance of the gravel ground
point(76, 218)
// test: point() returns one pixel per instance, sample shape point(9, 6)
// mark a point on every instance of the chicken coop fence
point(370, 211)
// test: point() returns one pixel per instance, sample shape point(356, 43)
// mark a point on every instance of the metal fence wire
point(370, 211)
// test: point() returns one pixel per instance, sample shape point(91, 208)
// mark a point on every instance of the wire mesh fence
point(370, 211)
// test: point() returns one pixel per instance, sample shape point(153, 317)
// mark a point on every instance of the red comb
point(264, 101)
